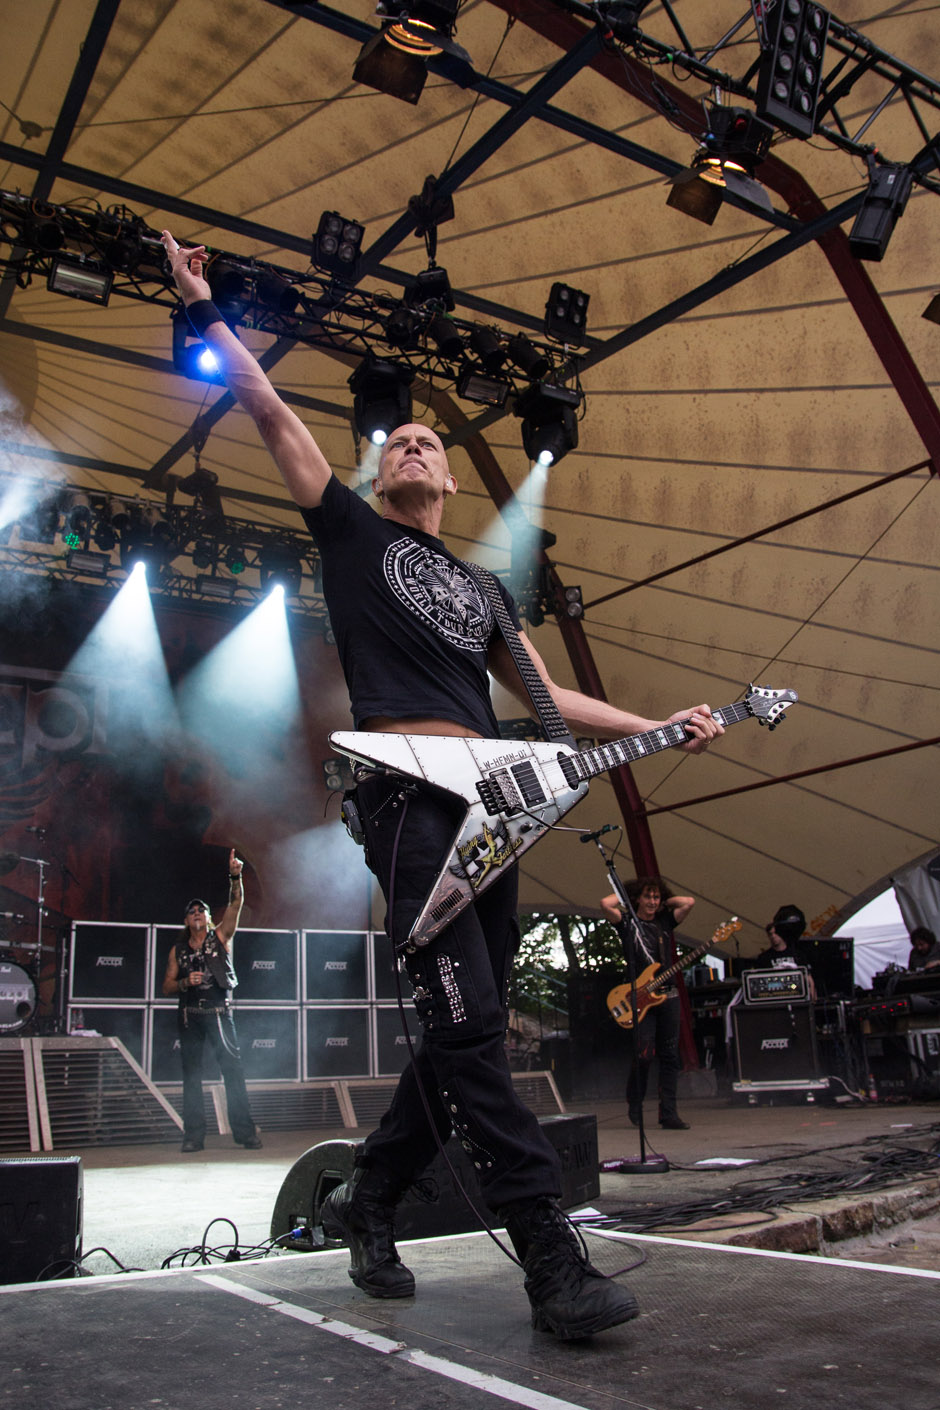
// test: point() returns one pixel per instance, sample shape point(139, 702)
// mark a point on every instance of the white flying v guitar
point(514, 790)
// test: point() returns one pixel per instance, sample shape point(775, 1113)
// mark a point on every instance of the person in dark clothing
point(417, 638)
point(200, 971)
point(783, 952)
point(925, 949)
point(658, 1030)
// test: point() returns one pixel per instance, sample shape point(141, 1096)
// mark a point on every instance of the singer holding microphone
point(658, 1032)
point(200, 972)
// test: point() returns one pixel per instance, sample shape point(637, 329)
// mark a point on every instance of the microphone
point(11, 915)
point(39, 831)
point(593, 836)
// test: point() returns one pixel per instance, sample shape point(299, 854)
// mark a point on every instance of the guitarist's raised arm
point(680, 907)
point(595, 717)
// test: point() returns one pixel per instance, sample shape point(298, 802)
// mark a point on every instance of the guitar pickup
point(527, 782)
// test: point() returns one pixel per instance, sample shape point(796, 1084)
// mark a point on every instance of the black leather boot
point(569, 1297)
point(362, 1213)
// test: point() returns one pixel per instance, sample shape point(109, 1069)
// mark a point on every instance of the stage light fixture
point(41, 524)
point(549, 421)
point(231, 285)
point(734, 145)
point(932, 311)
point(273, 291)
point(191, 357)
point(574, 603)
point(137, 549)
point(337, 775)
point(566, 315)
point(236, 560)
point(381, 398)
point(204, 553)
point(476, 386)
point(394, 61)
point(692, 196)
point(91, 564)
point(104, 533)
point(337, 245)
point(529, 575)
point(790, 71)
point(486, 343)
point(78, 515)
point(403, 328)
point(80, 280)
point(527, 357)
point(446, 337)
point(280, 566)
point(431, 289)
point(221, 588)
point(888, 190)
point(622, 17)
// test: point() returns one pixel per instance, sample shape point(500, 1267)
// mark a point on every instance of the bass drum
point(17, 997)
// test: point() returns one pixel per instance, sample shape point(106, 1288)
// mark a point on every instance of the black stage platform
point(719, 1327)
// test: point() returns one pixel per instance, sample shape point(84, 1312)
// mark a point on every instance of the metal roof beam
point(82, 75)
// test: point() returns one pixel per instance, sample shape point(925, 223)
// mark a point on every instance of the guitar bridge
point(498, 794)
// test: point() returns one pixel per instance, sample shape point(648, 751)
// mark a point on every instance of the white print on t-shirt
point(441, 593)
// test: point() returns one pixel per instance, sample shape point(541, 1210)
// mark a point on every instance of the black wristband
point(203, 313)
point(235, 876)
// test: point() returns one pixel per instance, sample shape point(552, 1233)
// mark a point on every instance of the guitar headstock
point(725, 931)
point(767, 706)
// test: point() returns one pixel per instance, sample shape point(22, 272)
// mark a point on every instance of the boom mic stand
point(643, 1164)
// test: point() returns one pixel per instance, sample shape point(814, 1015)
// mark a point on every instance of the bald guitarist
point(658, 1029)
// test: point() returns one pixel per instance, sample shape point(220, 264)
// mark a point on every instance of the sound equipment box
point(40, 1218)
point(337, 1041)
point(323, 1167)
point(269, 1040)
point(266, 962)
point(125, 1021)
point(335, 965)
point(109, 962)
point(776, 1046)
point(391, 1050)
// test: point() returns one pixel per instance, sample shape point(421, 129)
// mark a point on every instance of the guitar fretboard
point(591, 762)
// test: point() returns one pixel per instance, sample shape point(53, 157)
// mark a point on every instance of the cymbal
point(8, 860)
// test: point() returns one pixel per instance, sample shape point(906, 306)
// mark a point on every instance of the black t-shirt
point(656, 944)
point(412, 624)
point(790, 958)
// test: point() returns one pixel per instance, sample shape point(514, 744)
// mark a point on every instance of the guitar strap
point(549, 717)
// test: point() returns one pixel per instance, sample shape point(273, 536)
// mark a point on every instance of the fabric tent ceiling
point(775, 390)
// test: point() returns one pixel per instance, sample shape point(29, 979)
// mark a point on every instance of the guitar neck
point(666, 974)
point(588, 763)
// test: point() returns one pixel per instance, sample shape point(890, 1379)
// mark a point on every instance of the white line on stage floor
point(476, 1380)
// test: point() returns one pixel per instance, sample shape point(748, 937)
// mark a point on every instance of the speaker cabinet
point(391, 1049)
point(323, 1167)
point(337, 1041)
point(269, 1040)
point(776, 1045)
point(109, 962)
point(335, 965)
point(125, 1021)
point(40, 1218)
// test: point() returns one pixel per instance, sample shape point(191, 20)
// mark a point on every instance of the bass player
point(658, 1029)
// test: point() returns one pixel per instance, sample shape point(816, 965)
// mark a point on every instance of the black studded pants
point(459, 982)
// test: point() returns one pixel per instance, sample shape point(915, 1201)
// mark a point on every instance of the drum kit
point(19, 981)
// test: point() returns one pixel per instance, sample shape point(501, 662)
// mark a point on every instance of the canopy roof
point(738, 378)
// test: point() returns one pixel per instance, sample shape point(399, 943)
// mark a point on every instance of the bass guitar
point(513, 791)
point(650, 985)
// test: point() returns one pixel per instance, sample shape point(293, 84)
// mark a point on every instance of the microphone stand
point(643, 1164)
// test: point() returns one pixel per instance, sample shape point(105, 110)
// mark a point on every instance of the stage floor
point(718, 1326)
